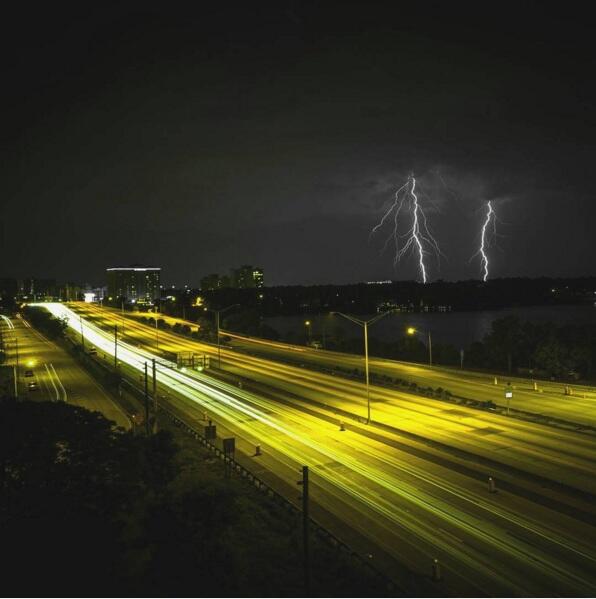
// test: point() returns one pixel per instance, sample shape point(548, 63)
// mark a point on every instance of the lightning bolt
point(484, 241)
point(418, 237)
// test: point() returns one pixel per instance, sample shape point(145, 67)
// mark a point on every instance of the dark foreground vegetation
point(88, 509)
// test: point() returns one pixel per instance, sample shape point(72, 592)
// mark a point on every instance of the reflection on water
point(457, 328)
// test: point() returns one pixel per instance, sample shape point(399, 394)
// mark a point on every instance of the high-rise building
point(247, 277)
point(134, 283)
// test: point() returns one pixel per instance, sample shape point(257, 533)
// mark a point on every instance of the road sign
point(508, 396)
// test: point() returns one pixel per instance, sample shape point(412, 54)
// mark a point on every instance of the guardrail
point(266, 489)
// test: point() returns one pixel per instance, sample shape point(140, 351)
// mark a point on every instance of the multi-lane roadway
point(47, 372)
point(413, 484)
point(547, 398)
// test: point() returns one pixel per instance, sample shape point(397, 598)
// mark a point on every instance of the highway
point(409, 500)
point(56, 375)
point(547, 398)
point(555, 454)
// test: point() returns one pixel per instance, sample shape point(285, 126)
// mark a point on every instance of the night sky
point(274, 134)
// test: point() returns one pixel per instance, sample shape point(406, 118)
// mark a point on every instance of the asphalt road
point(547, 397)
point(555, 454)
point(532, 395)
point(410, 505)
point(56, 375)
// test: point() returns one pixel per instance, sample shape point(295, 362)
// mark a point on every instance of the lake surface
point(457, 328)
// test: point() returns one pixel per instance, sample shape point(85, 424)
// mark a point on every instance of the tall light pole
point(307, 324)
point(16, 371)
point(364, 324)
point(414, 331)
point(16, 347)
point(217, 313)
point(116, 348)
point(82, 335)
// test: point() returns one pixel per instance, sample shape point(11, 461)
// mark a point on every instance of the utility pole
point(116, 347)
point(305, 529)
point(147, 429)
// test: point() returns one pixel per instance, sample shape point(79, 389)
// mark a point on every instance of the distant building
point(134, 283)
point(94, 294)
point(71, 292)
point(247, 277)
point(37, 289)
point(8, 288)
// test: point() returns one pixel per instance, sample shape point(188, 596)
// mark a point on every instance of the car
point(32, 386)
point(28, 372)
point(92, 351)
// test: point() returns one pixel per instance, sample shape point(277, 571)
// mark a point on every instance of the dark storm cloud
point(276, 134)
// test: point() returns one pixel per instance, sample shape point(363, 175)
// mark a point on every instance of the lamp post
point(307, 324)
point(414, 331)
point(82, 335)
point(217, 313)
point(365, 324)
point(16, 372)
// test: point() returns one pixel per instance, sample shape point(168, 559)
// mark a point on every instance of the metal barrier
point(262, 486)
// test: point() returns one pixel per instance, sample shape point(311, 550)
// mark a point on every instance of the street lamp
point(307, 324)
point(217, 313)
point(414, 331)
point(364, 324)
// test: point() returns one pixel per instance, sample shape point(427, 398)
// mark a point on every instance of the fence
point(266, 489)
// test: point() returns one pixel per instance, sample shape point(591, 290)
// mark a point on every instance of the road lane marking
point(64, 398)
point(52, 381)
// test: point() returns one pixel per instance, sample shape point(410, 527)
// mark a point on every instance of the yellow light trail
point(263, 418)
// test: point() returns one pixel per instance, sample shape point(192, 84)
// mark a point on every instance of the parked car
point(32, 386)
point(28, 372)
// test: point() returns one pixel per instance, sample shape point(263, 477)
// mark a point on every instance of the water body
point(456, 328)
